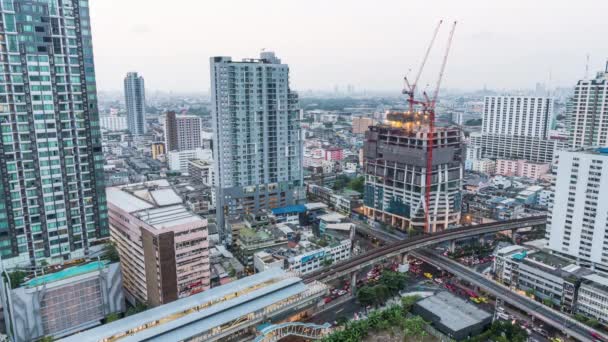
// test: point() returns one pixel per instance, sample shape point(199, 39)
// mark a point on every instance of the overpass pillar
point(513, 239)
point(403, 260)
point(353, 283)
point(353, 230)
point(482, 240)
point(452, 247)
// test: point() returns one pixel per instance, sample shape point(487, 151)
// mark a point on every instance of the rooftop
point(201, 312)
point(167, 217)
point(66, 273)
point(455, 313)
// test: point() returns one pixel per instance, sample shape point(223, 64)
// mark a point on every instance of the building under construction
point(395, 166)
point(413, 170)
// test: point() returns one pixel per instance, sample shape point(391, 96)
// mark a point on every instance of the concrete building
point(179, 160)
point(592, 299)
point(522, 168)
point(577, 224)
point(182, 132)
point(486, 166)
point(224, 313)
point(395, 173)
point(257, 142)
point(361, 124)
point(452, 315)
point(135, 99)
point(532, 149)
point(64, 302)
point(588, 112)
point(548, 277)
point(201, 171)
point(163, 247)
point(158, 149)
point(113, 122)
point(52, 205)
point(333, 154)
point(516, 127)
point(522, 116)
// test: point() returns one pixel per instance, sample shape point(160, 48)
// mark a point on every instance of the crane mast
point(429, 108)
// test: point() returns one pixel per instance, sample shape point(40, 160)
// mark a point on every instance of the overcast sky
point(370, 44)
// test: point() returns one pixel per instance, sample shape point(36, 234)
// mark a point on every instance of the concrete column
point(353, 283)
point(353, 230)
point(404, 258)
point(482, 240)
point(452, 247)
point(513, 240)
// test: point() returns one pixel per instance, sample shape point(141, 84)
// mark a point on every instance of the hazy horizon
point(369, 45)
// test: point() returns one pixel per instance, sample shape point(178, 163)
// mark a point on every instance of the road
point(399, 248)
point(380, 234)
point(565, 323)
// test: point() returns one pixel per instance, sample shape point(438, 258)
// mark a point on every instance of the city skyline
point(366, 46)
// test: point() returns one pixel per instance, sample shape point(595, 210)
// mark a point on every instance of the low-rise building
point(63, 302)
point(452, 315)
point(179, 160)
point(592, 299)
point(251, 240)
point(548, 277)
point(486, 166)
point(521, 168)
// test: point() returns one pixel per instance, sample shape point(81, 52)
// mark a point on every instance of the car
point(503, 316)
point(438, 281)
point(597, 336)
point(428, 275)
point(327, 300)
point(341, 293)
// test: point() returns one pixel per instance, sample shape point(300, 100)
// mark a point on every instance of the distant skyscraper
point(52, 202)
point(182, 132)
point(257, 141)
point(135, 98)
point(578, 220)
point(588, 112)
point(517, 115)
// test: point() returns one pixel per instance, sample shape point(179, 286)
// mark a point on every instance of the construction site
point(413, 169)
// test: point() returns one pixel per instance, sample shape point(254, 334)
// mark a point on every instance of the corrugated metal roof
point(199, 321)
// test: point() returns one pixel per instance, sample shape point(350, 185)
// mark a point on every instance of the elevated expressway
point(555, 318)
point(401, 248)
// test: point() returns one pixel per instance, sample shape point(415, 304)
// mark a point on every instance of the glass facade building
point(53, 205)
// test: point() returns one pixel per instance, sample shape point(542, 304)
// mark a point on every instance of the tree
point(112, 317)
point(529, 292)
point(17, 278)
point(408, 302)
point(357, 184)
point(110, 252)
point(47, 339)
point(395, 281)
point(414, 327)
point(594, 323)
point(328, 262)
point(366, 295)
point(136, 309)
point(548, 302)
point(382, 293)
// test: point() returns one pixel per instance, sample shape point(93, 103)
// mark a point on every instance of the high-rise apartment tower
point(588, 112)
point(52, 199)
point(257, 138)
point(135, 99)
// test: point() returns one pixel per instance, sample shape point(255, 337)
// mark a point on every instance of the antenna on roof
point(587, 68)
